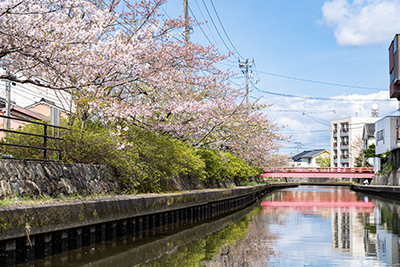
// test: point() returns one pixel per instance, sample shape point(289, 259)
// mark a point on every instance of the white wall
point(388, 125)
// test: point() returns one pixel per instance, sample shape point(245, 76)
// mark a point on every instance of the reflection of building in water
point(369, 236)
point(347, 231)
point(365, 235)
point(358, 227)
point(387, 243)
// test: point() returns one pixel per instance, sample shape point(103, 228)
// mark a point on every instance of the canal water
point(304, 226)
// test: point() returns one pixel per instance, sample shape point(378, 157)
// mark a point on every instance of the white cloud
point(313, 130)
point(362, 22)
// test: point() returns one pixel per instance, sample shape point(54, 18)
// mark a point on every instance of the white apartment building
point(346, 140)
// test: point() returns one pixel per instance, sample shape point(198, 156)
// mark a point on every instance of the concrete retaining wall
point(393, 178)
point(384, 191)
point(38, 230)
point(50, 217)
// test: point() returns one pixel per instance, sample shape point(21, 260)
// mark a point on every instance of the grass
point(80, 197)
point(42, 199)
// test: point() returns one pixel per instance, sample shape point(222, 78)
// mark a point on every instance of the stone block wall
point(31, 178)
point(34, 178)
point(392, 179)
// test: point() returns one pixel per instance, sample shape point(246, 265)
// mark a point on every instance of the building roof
point(395, 113)
point(46, 102)
point(25, 112)
point(307, 154)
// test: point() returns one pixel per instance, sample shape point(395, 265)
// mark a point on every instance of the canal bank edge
point(381, 190)
point(15, 220)
point(55, 179)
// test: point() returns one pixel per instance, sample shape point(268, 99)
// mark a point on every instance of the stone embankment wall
point(32, 178)
point(392, 179)
point(33, 231)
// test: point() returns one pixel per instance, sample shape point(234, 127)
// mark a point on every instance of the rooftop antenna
point(374, 112)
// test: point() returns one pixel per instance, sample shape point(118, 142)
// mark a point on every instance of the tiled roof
point(307, 154)
point(29, 113)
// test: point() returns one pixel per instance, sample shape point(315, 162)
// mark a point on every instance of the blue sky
point(336, 42)
point(326, 42)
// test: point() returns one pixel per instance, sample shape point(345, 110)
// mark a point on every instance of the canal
point(304, 226)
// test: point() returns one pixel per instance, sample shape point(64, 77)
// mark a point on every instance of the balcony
point(344, 157)
point(334, 156)
point(344, 143)
point(344, 130)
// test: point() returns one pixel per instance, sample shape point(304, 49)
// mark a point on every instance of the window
point(380, 135)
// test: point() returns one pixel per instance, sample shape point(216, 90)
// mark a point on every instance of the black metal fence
point(50, 142)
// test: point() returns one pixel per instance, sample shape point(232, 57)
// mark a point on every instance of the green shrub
point(145, 160)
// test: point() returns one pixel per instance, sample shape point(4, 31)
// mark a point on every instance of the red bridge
point(328, 172)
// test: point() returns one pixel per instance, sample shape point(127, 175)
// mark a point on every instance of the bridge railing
point(319, 169)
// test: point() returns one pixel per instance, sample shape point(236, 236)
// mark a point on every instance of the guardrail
point(46, 137)
point(319, 169)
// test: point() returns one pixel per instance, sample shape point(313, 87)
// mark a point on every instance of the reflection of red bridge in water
point(314, 199)
point(329, 172)
point(360, 206)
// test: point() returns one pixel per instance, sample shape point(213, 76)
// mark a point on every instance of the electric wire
point(320, 82)
point(205, 35)
point(324, 98)
point(215, 26)
point(223, 28)
point(365, 77)
point(201, 13)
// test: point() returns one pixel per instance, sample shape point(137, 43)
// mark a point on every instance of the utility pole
point(8, 104)
point(187, 28)
point(298, 146)
point(245, 66)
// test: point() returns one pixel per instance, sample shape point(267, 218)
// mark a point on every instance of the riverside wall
point(33, 179)
point(391, 179)
point(44, 179)
point(32, 231)
point(36, 230)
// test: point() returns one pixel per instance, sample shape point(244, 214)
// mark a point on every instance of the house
point(45, 107)
point(18, 113)
point(387, 129)
point(387, 136)
point(309, 158)
point(368, 138)
point(345, 135)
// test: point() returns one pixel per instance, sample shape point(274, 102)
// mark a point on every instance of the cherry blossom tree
point(118, 63)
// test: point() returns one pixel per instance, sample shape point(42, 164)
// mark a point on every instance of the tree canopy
point(117, 62)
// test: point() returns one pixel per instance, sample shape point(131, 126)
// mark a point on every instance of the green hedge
point(142, 158)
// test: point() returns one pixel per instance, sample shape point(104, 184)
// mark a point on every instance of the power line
point(320, 82)
point(205, 35)
point(322, 98)
point(224, 29)
point(365, 77)
point(201, 13)
point(215, 26)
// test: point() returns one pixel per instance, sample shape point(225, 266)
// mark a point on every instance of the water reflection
point(360, 233)
point(305, 226)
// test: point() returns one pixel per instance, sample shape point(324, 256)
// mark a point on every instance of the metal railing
point(46, 137)
point(319, 169)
